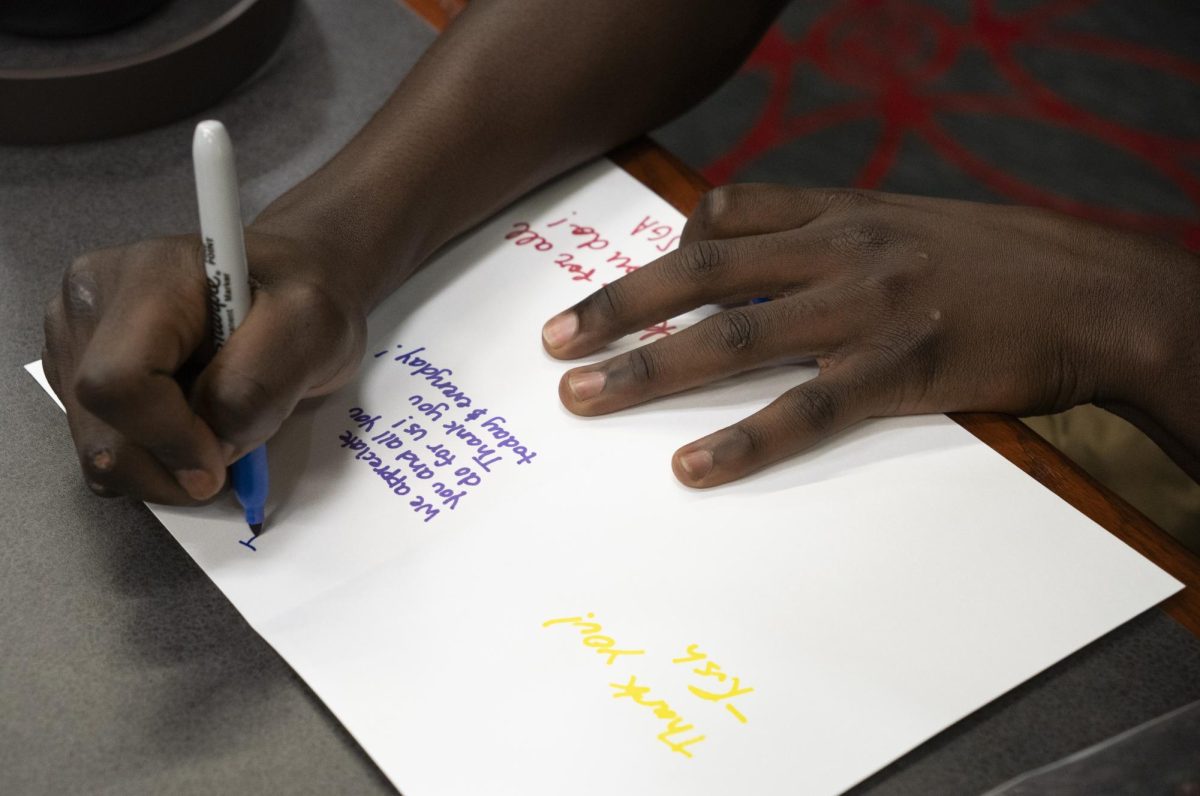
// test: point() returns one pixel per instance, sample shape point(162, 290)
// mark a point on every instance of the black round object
point(86, 98)
point(71, 17)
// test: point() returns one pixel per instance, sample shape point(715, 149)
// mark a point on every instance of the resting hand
point(907, 305)
point(152, 415)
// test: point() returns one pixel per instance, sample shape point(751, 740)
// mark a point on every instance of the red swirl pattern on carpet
point(893, 52)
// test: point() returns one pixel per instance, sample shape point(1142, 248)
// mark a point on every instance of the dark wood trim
point(1022, 446)
point(437, 13)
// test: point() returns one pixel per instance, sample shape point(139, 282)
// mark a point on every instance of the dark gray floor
point(123, 670)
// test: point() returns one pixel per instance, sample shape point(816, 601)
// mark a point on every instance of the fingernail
point(197, 483)
point(696, 464)
point(227, 451)
point(586, 385)
point(560, 329)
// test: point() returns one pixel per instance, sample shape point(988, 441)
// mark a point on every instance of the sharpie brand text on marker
point(228, 281)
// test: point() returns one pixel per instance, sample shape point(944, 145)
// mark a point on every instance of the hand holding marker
point(228, 282)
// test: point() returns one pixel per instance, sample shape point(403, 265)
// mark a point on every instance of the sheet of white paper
point(549, 612)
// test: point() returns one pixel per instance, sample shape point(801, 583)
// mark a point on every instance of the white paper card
point(495, 596)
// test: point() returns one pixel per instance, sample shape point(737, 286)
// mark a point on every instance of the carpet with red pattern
point(1091, 107)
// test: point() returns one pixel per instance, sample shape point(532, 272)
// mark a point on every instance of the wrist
point(1158, 369)
point(363, 238)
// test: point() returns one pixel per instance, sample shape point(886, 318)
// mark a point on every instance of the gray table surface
point(124, 670)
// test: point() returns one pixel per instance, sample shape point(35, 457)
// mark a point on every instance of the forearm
point(514, 93)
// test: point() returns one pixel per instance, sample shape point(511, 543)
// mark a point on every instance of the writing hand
point(151, 414)
point(907, 305)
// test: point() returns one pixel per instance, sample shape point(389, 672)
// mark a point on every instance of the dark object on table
point(116, 95)
point(71, 17)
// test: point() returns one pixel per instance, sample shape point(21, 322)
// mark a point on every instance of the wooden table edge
point(680, 186)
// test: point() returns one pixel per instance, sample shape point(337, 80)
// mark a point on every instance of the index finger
point(746, 209)
point(704, 272)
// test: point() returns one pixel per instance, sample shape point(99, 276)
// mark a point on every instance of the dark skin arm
point(908, 305)
point(511, 95)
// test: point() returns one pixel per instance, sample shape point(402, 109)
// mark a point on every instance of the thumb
point(294, 343)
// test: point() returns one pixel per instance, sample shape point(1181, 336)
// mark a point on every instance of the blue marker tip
point(249, 475)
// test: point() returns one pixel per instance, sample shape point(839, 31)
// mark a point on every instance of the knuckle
point(803, 308)
point(714, 205)
point(99, 467)
point(909, 355)
point(897, 290)
point(852, 197)
point(702, 260)
point(102, 385)
point(238, 400)
point(608, 302)
point(641, 365)
point(82, 263)
point(810, 408)
point(736, 330)
point(890, 346)
point(314, 304)
point(865, 237)
point(897, 369)
point(80, 287)
point(752, 440)
point(836, 200)
point(185, 252)
point(329, 318)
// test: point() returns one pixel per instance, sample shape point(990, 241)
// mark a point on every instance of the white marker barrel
point(221, 229)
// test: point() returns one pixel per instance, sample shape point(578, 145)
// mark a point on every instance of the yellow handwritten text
point(590, 631)
point(675, 722)
point(713, 670)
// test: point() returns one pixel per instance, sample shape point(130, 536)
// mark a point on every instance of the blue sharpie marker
point(228, 283)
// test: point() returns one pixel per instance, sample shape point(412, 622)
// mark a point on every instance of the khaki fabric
point(1125, 460)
